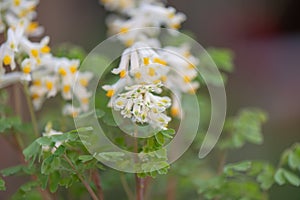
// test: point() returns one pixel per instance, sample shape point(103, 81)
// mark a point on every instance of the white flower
point(48, 133)
point(176, 109)
point(2, 25)
point(184, 69)
point(118, 4)
point(11, 78)
point(66, 88)
point(142, 106)
point(144, 14)
point(50, 83)
point(71, 110)
point(36, 50)
point(142, 64)
point(159, 120)
point(38, 93)
point(111, 90)
point(83, 96)
point(10, 47)
point(66, 67)
point(49, 75)
point(84, 78)
point(7, 57)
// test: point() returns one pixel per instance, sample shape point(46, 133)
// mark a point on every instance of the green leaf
point(85, 158)
point(265, 178)
point(7, 123)
point(59, 151)
point(45, 168)
point(54, 180)
point(44, 141)
point(160, 138)
point(246, 127)
point(60, 138)
point(4, 125)
point(249, 124)
point(238, 140)
point(27, 187)
point(32, 151)
point(111, 156)
point(169, 133)
point(70, 51)
point(279, 177)
point(291, 178)
point(46, 165)
point(294, 160)
point(2, 185)
point(239, 167)
point(11, 170)
point(222, 57)
point(43, 180)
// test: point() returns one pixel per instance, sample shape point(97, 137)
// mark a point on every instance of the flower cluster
point(49, 74)
point(147, 64)
point(140, 104)
point(14, 10)
point(141, 14)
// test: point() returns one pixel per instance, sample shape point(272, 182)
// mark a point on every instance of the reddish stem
point(140, 187)
point(97, 181)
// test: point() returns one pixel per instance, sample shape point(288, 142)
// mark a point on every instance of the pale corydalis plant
point(48, 74)
point(146, 63)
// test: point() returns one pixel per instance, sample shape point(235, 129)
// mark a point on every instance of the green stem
point(31, 111)
point(86, 185)
point(222, 162)
point(18, 111)
point(139, 182)
point(126, 187)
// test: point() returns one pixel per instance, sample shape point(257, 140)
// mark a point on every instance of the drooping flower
point(184, 69)
point(141, 105)
point(146, 62)
point(142, 63)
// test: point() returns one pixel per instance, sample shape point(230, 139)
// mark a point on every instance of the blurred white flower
point(48, 133)
point(49, 74)
point(184, 69)
point(142, 14)
point(20, 10)
point(119, 5)
point(71, 110)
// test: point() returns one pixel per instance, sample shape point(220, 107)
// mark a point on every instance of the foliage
point(2, 184)
point(54, 165)
point(246, 127)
